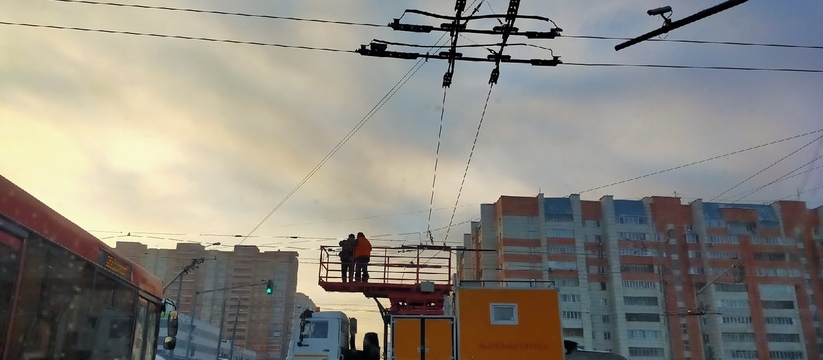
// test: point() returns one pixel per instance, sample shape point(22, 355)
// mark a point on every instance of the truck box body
point(406, 334)
point(515, 323)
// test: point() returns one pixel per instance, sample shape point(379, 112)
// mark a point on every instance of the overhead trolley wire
point(436, 160)
point(468, 163)
point(701, 161)
point(217, 12)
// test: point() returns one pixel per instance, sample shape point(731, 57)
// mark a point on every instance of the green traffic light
point(269, 287)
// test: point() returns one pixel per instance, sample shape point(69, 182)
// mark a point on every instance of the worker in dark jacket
point(362, 253)
point(347, 258)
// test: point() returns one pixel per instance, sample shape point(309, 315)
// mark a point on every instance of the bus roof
point(28, 212)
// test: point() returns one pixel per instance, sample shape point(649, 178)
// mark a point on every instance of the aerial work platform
point(416, 279)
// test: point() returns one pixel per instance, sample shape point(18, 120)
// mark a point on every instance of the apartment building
point(633, 274)
point(263, 320)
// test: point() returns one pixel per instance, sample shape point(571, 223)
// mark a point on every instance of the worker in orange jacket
point(362, 253)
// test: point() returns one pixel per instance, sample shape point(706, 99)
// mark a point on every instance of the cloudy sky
point(161, 135)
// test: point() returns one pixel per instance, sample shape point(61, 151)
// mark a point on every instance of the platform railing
point(393, 265)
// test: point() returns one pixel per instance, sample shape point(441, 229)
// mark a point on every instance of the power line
point(801, 192)
point(664, 66)
point(767, 168)
point(468, 163)
point(216, 12)
point(181, 37)
point(701, 161)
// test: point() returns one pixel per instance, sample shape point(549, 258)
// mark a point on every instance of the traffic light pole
point(194, 310)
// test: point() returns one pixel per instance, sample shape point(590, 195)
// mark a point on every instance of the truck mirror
point(172, 325)
point(353, 326)
point(170, 343)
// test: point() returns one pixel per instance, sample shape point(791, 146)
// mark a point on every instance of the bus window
point(152, 327)
point(52, 309)
point(139, 330)
point(114, 317)
point(9, 250)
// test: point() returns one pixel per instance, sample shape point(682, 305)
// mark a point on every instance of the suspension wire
point(468, 163)
point(702, 161)
point(767, 168)
point(778, 179)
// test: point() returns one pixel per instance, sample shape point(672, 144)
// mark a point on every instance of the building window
point(741, 354)
point(640, 300)
point(570, 298)
point(734, 303)
point(646, 352)
point(778, 304)
point(605, 318)
point(607, 335)
point(774, 337)
point(776, 289)
point(737, 319)
point(791, 355)
point(572, 332)
point(778, 320)
point(503, 314)
point(571, 315)
point(738, 336)
point(639, 284)
point(642, 317)
point(602, 286)
point(645, 334)
point(637, 236)
point(560, 233)
point(731, 287)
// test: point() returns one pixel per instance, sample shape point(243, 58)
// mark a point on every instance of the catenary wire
point(766, 168)
point(302, 47)
point(216, 12)
point(702, 161)
point(800, 192)
point(469, 161)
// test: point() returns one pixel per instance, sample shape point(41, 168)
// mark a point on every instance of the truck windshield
point(316, 329)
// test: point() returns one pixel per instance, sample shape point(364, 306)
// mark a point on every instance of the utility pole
point(234, 329)
point(186, 269)
point(268, 283)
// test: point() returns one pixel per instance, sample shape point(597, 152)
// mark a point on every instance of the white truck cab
point(320, 335)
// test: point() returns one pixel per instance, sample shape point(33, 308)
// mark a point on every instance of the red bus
point(64, 294)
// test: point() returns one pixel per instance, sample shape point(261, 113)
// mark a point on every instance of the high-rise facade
point(633, 274)
point(263, 320)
